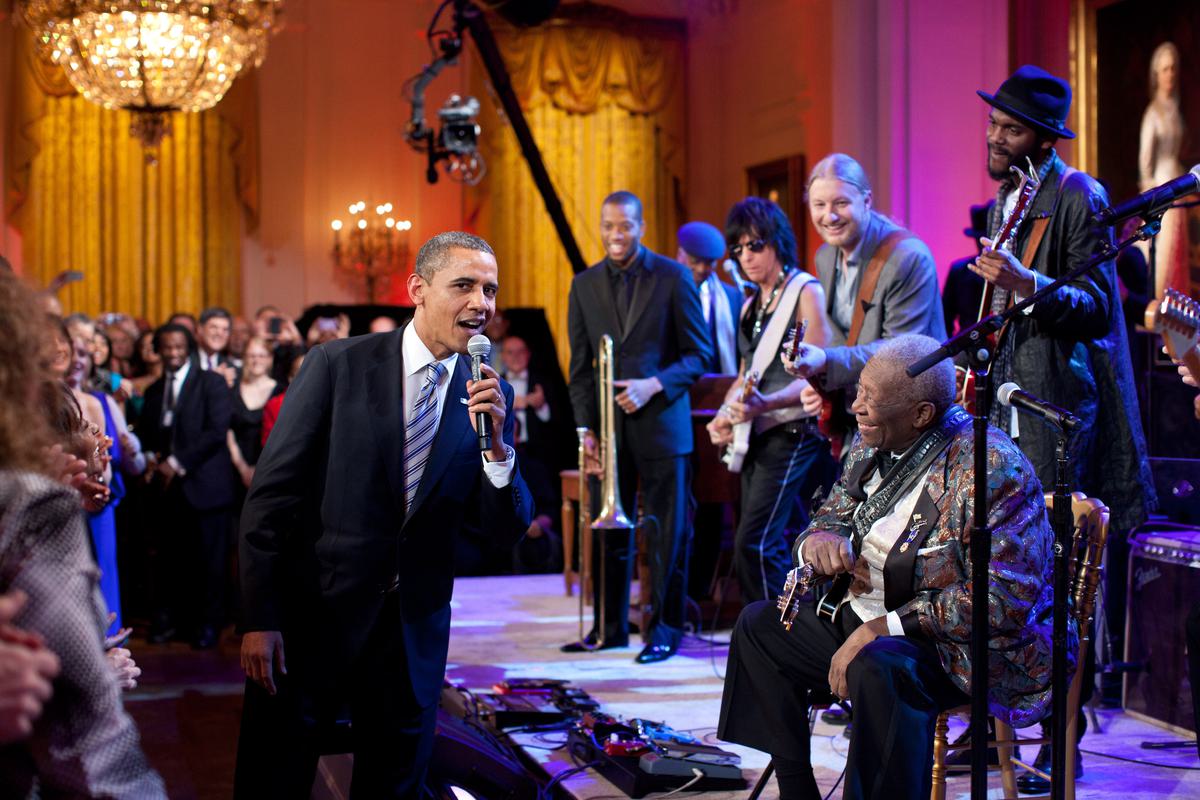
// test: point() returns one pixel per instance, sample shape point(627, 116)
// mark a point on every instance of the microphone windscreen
point(479, 345)
point(1005, 392)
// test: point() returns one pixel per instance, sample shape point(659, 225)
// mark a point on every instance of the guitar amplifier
point(1164, 585)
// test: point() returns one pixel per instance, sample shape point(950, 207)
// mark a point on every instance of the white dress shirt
point(168, 417)
point(416, 358)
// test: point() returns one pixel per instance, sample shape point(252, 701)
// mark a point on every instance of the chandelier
point(151, 57)
point(373, 250)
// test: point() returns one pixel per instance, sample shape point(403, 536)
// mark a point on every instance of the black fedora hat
point(1037, 98)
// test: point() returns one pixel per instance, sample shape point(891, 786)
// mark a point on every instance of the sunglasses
point(756, 246)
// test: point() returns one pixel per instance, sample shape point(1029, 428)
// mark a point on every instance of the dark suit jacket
point(665, 336)
point(197, 439)
point(324, 530)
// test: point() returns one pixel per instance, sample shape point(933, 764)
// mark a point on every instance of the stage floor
point(512, 626)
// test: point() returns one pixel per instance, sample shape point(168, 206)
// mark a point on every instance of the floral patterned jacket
point(928, 583)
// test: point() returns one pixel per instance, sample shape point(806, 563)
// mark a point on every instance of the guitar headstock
point(795, 336)
point(797, 584)
point(1176, 317)
point(749, 385)
point(1028, 181)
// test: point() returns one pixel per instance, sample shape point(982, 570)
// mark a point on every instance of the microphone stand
point(1062, 523)
point(973, 341)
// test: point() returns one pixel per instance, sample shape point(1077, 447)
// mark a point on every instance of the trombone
point(612, 516)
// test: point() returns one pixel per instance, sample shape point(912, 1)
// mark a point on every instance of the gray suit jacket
point(905, 300)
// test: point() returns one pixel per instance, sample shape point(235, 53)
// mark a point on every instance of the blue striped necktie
point(419, 433)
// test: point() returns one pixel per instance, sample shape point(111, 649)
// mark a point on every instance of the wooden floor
point(189, 703)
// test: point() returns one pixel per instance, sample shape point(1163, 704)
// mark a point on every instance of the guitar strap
point(911, 466)
point(769, 344)
point(870, 279)
point(1041, 223)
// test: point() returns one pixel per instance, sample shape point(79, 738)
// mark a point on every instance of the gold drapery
point(604, 97)
point(149, 239)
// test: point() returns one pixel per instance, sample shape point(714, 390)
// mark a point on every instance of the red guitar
point(994, 298)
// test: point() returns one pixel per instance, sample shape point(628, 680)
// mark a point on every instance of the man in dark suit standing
point(650, 307)
point(184, 422)
point(348, 535)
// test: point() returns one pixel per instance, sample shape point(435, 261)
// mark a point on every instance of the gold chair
point(1085, 565)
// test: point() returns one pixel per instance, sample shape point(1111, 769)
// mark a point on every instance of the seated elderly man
point(895, 528)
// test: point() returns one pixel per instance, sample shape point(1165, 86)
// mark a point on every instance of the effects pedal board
point(640, 757)
point(532, 702)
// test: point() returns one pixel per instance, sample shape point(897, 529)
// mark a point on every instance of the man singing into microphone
point(348, 535)
point(1070, 348)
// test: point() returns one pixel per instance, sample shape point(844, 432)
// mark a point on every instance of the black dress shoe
point(1036, 784)
point(205, 639)
point(655, 652)
point(589, 644)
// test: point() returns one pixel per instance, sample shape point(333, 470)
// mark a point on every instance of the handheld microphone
point(1152, 200)
point(479, 348)
point(1010, 394)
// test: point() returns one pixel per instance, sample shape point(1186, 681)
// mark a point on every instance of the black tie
point(625, 295)
point(170, 391)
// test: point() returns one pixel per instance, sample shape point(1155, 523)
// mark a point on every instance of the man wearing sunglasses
point(649, 305)
point(880, 281)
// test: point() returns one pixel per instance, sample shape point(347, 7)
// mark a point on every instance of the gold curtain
point(149, 239)
point(604, 97)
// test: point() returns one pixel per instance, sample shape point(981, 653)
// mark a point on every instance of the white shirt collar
point(417, 355)
point(181, 373)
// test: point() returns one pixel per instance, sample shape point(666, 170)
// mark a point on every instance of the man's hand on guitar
point(720, 430)
point(1004, 270)
point(1186, 374)
point(829, 553)
point(810, 360)
point(754, 405)
point(810, 400)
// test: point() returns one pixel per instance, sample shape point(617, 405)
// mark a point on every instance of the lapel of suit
point(453, 427)
point(385, 397)
point(899, 568)
point(643, 290)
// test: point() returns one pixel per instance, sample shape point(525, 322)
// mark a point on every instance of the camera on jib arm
point(459, 139)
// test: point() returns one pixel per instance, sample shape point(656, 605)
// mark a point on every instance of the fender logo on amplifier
point(1145, 575)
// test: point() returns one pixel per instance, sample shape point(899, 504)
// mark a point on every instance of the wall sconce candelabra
point(370, 250)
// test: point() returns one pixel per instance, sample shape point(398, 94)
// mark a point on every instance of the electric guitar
point(799, 582)
point(735, 451)
point(994, 298)
point(1176, 318)
point(833, 421)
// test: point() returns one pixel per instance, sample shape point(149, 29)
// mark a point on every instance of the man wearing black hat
point(1070, 348)
point(701, 247)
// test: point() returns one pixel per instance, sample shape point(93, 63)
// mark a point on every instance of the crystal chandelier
point(374, 250)
point(151, 57)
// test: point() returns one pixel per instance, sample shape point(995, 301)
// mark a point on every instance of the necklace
point(761, 310)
